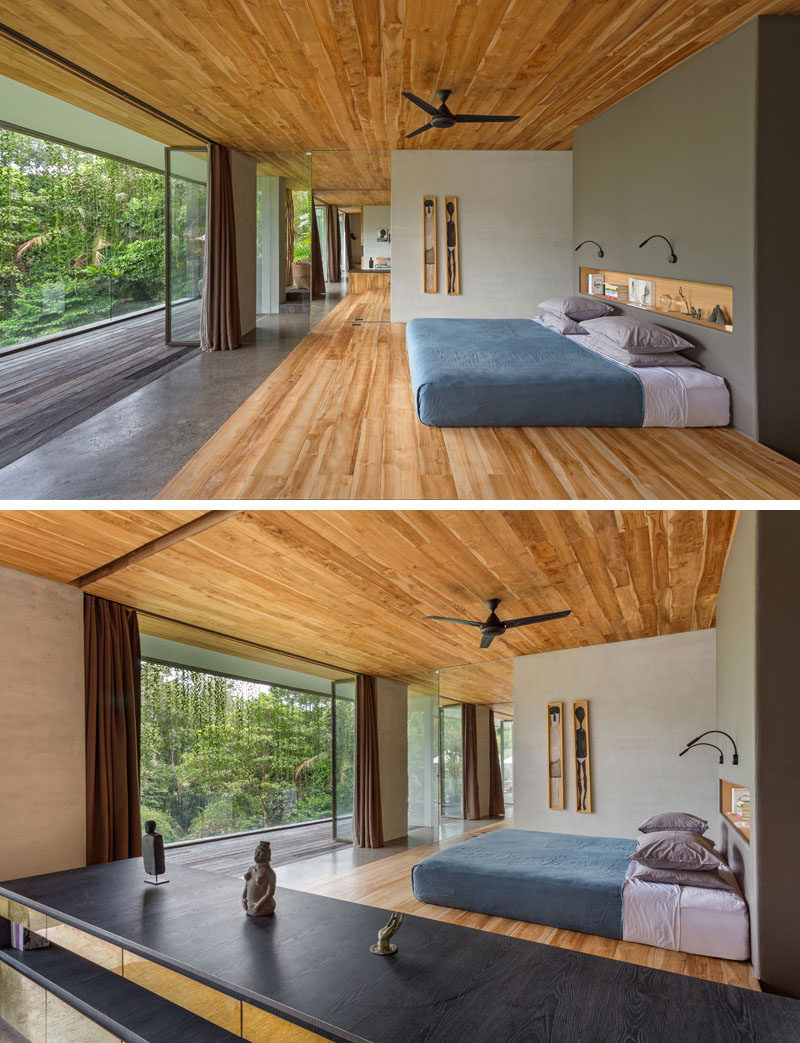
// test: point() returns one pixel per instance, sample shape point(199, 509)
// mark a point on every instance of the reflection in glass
point(186, 237)
point(451, 761)
point(423, 751)
point(344, 699)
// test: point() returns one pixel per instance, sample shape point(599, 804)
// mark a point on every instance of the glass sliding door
point(423, 751)
point(504, 730)
point(186, 170)
point(344, 758)
point(451, 761)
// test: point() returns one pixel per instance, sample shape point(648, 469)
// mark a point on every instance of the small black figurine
point(371, 263)
point(153, 855)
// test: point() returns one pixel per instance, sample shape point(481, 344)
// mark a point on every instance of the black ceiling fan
point(494, 627)
point(442, 118)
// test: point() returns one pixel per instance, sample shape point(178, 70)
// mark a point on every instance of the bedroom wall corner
point(43, 763)
point(647, 698)
point(515, 230)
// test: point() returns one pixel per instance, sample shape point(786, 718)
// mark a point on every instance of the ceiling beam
point(147, 550)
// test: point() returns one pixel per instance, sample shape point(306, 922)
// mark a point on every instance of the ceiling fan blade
point(424, 105)
point(486, 639)
point(523, 621)
point(448, 619)
point(420, 130)
point(486, 119)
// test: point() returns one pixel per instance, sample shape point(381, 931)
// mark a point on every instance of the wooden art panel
point(555, 756)
point(451, 241)
point(430, 279)
point(583, 770)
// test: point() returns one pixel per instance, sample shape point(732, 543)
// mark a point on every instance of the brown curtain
point(334, 244)
point(113, 714)
point(367, 815)
point(497, 806)
point(317, 271)
point(289, 236)
point(472, 803)
point(220, 323)
point(347, 242)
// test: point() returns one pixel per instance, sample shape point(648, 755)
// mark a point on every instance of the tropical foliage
point(82, 237)
point(302, 226)
point(220, 755)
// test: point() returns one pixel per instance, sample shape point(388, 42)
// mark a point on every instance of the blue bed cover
point(515, 373)
point(557, 879)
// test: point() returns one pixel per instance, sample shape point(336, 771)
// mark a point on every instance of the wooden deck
point(48, 389)
point(336, 421)
point(387, 884)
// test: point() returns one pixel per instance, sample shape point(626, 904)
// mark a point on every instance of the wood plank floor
point(336, 421)
point(387, 884)
point(231, 856)
point(48, 389)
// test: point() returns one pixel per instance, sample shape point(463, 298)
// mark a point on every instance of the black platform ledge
point(310, 964)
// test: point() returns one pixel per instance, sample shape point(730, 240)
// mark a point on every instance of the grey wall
point(736, 685)
point(43, 760)
point(777, 836)
point(392, 700)
point(515, 230)
point(647, 698)
point(777, 224)
point(243, 173)
point(375, 218)
point(677, 158)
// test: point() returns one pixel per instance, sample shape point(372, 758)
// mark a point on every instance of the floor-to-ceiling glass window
point(423, 756)
point(451, 760)
point(81, 240)
point(504, 731)
point(344, 730)
point(186, 240)
point(224, 755)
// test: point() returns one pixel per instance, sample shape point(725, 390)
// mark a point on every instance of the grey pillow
point(578, 308)
point(676, 851)
point(636, 335)
point(683, 878)
point(671, 359)
point(560, 323)
point(680, 821)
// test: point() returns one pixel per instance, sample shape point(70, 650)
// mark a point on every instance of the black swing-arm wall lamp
point(600, 252)
point(692, 745)
point(672, 255)
point(714, 731)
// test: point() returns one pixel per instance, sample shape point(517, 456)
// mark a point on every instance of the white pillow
point(560, 323)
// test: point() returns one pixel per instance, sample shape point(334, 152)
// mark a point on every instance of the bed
point(582, 884)
point(520, 373)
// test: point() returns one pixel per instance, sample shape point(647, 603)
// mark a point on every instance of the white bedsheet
point(673, 396)
point(699, 920)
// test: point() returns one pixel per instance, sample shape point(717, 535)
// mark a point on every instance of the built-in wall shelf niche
point(734, 803)
point(672, 298)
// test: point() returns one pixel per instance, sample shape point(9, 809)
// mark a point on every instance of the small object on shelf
point(596, 284)
point(665, 301)
point(153, 855)
point(23, 938)
point(640, 292)
point(383, 946)
point(718, 316)
point(371, 263)
point(696, 313)
point(259, 888)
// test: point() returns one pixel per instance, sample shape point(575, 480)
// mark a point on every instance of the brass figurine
point(384, 947)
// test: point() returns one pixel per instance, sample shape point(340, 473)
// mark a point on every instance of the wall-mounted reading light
point(694, 743)
point(585, 241)
point(715, 731)
point(672, 255)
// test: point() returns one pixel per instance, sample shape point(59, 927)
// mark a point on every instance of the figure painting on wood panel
point(555, 756)
point(430, 282)
point(451, 226)
point(583, 775)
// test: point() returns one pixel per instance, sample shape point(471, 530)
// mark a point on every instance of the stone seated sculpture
point(259, 889)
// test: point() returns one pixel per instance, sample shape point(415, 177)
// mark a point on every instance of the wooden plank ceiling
point(311, 75)
point(353, 588)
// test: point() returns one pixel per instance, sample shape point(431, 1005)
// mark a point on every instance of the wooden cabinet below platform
point(365, 279)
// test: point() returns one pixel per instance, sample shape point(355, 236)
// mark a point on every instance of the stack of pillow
point(673, 850)
point(628, 340)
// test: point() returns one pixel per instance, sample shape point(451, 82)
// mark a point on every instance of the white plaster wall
point(243, 175)
point(392, 700)
point(42, 741)
point(647, 698)
point(375, 218)
point(515, 230)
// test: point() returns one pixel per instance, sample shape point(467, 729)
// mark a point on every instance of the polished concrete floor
point(130, 449)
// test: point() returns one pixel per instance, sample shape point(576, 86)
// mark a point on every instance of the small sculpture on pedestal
point(384, 946)
point(153, 855)
point(259, 889)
